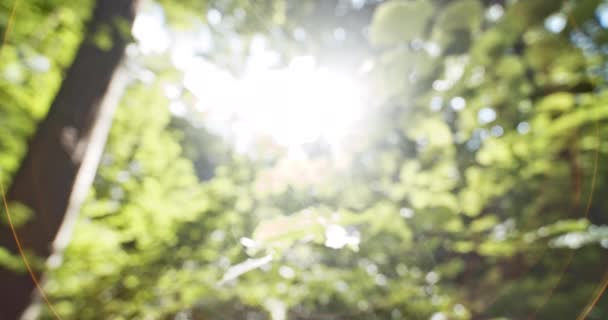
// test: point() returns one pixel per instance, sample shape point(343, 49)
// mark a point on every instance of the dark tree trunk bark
point(57, 170)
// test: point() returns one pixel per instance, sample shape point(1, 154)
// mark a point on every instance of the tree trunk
point(62, 156)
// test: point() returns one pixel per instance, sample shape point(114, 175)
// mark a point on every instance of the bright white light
point(494, 12)
point(602, 14)
point(439, 316)
point(556, 22)
point(149, 30)
point(336, 237)
point(295, 105)
point(486, 115)
point(458, 103)
point(214, 17)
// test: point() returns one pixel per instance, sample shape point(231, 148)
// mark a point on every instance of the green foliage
point(19, 214)
point(143, 193)
point(11, 262)
point(41, 43)
point(472, 190)
point(396, 22)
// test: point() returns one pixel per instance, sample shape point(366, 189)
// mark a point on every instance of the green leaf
point(460, 15)
point(484, 223)
point(19, 214)
point(395, 22)
point(560, 101)
point(497, 248)
point(11, 262)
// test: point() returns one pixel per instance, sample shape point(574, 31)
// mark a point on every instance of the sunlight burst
point(296, 105)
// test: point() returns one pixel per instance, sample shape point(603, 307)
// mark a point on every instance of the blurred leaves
point(480, 164)
point(398, 21)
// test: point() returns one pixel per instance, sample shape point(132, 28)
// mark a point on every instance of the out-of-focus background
point(304, 159)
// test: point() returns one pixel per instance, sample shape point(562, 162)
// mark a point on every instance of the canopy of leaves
point(472, 190)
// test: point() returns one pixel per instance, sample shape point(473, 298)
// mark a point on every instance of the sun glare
point(299, 104)
point(294, 105)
